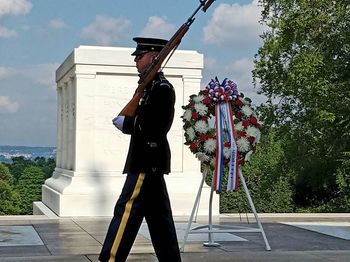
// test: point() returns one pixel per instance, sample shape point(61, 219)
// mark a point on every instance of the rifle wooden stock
point(147, 76)
point(150, 72)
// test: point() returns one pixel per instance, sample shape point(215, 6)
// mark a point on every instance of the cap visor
point(138, 52)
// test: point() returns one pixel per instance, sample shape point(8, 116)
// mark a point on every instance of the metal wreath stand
point(210, 228)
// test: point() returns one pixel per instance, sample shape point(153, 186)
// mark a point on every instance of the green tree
point(5, 174)
point(9, 199)
point(267, 179)
point(46, 165)
point(303, 68)
point(29, 187)
point(18, 165)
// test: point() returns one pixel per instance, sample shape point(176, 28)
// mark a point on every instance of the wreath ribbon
point(225, 127)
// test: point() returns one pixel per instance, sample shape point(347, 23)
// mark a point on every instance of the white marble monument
point(93, 85)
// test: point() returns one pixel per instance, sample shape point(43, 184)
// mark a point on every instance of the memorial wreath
point(221, 129)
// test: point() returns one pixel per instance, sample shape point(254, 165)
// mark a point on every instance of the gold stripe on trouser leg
point(125, 217)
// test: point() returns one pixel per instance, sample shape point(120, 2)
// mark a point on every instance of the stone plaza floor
point(292, 237)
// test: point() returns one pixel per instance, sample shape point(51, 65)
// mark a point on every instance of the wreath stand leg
point(225, 229)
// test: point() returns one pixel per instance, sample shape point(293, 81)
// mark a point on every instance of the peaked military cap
point(145, 45)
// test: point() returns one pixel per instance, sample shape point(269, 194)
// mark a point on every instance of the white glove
point(118, 122)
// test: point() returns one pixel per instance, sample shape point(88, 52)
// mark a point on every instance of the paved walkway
point(292, 237)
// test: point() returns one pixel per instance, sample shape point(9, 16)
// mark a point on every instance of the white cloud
point(234, 25)
point(7, 105)
point(5, 72)
point(157, 27)
point(106, 30)
point(6, 32)
point(240, 71)
point(43, 74)
point(57, 23)
point(14, 7)
point(241, 68)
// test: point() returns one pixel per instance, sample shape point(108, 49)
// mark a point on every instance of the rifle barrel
point(152, 69)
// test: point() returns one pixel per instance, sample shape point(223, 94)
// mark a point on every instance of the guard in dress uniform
point(144, 194)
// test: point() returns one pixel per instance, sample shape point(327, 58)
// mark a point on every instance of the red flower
point(251, 139)
point(253, 120)
point(245, 123)
point(194, 115)
point(202, 137)
point(206, 101)
point(210, 136)
point(238, 102)
point(239, 115)
point(242, 134)
point(193, 146)
point(204, 91)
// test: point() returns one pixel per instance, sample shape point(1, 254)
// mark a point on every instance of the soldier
point(144, 194)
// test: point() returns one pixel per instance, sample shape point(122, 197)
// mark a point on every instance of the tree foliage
point(29, 187)
point(17, 193)
point(20, 163)
point(267, 179)
point(9, 199)
point(303, 68)
point(5, 174)
point(46, 165)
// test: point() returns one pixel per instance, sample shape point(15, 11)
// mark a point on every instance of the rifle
point(148, 74)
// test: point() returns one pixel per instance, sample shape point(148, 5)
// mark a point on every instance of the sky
point(36, 36)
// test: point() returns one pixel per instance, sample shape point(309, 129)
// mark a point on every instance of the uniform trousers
point(143, 196)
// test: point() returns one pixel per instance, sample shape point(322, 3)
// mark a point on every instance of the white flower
point(227, 152)
point(243, 145)
point(190, 132)
point(198, 99)
point(246, 110)
point(201, 126)
point(201, 109)
point(202, 157)
point(187, 115)
point(210, 145)
point(211, 122)
point(257, 138)
point(252, 131)
point(248, 155)
point(212, 162)
point(239, 126)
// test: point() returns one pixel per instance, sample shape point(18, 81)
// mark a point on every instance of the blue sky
point(37, 35)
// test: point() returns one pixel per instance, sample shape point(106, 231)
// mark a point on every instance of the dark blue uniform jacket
point(149, 150)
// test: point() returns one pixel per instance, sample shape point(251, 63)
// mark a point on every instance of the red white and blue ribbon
point(221, 94)
point(219, 161)
point(232, 181)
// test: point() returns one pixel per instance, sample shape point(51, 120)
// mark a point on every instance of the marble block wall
point(93, 85)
